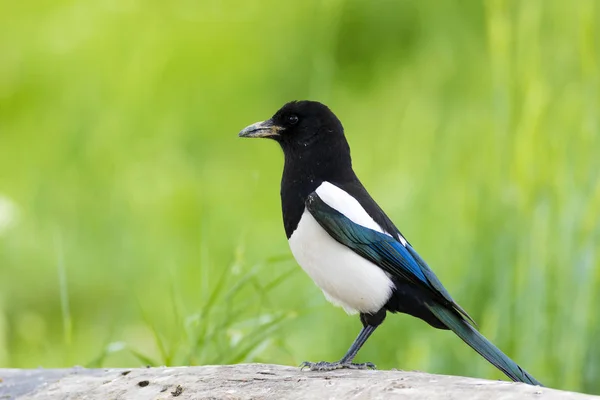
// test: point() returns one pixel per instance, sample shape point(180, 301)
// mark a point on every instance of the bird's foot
point(331, 366)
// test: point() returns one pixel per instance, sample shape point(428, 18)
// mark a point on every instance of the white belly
point(347, 279)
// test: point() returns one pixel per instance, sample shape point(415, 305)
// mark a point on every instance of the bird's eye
point(292, 119)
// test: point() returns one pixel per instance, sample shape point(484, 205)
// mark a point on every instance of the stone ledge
point(258, 381)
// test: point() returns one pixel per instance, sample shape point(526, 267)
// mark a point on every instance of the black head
point(315, 150)
point(299, 126)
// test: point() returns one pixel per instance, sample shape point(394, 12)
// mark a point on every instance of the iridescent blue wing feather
point(385, 251)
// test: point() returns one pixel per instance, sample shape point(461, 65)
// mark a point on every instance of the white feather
point(345, 278)
point(341, 201)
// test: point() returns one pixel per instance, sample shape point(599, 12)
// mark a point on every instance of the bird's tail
point(480, 344)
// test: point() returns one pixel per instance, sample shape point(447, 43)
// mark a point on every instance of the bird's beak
point(260, 130)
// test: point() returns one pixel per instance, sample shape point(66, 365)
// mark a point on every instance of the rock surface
point(258, 381)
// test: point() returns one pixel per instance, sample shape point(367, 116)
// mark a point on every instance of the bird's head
point(299, 125)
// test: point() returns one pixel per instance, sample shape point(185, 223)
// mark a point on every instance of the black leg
point(358, 343)
point(370, 323)
point(346, 361)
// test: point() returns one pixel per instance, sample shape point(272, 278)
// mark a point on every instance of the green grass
point(135, 228)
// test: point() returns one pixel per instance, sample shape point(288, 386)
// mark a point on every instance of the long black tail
point(480, 344)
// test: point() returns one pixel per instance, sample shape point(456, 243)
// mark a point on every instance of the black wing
point(385, 251)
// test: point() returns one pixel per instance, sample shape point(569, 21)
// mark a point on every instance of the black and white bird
point(346, 243)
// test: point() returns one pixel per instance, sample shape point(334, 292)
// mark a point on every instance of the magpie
point(349, 247)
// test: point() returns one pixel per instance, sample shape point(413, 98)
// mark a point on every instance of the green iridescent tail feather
point(481, 345)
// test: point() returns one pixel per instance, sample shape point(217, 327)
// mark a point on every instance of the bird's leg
point(346, 361)
point(370, 322)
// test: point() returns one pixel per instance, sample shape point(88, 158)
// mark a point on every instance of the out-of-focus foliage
point(135, 227)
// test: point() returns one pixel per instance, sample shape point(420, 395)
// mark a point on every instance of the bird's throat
point(303, 174)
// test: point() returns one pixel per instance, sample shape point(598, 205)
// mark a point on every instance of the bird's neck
point(304, 173)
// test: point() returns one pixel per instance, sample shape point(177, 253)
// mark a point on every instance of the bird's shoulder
point(366, 206)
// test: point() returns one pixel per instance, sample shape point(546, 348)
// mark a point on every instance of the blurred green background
point(136, 228)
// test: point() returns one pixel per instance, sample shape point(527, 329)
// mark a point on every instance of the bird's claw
point(331, 366)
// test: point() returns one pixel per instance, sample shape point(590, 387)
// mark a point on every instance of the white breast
point(347, 279)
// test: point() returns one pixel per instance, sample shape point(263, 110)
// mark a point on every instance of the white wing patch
point(341, 201)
